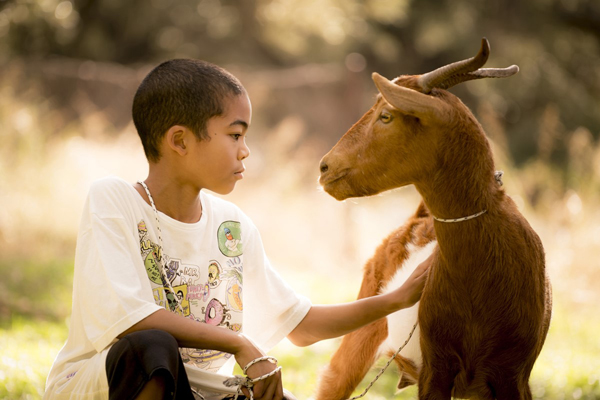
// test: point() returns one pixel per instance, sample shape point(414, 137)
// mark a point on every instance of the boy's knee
point(154, 342)
point(153, 338)
point(138, 357)
point(150, 344)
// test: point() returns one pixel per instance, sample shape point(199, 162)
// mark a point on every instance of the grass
point(568, 368)
point(28, 349)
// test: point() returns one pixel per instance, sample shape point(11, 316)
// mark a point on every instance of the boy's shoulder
point(223, 209)
point(110, 193)
point(109, 186)
point(218, 204)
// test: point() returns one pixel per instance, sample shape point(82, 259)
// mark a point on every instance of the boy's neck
point(171, 197)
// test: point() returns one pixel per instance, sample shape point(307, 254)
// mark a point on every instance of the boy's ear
point(176, 138)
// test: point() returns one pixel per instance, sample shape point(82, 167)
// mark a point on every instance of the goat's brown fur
point(485, 309)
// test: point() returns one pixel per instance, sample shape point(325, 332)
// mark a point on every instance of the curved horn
point(479, 74)
point(437, 78)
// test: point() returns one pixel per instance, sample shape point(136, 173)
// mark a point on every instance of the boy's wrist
point(398, 300)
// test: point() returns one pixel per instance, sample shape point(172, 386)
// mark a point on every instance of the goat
point(486, 306)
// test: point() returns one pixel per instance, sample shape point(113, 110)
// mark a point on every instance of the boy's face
point(217, 164)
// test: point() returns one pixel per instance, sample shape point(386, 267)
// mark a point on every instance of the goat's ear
point(410, 101)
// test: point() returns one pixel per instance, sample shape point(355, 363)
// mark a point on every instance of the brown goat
point(486, 306)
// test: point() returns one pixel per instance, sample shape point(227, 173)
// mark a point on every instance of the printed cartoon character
point(229, 237)
point(215, 313)
point(231, 243)
point(234, 295)
point(142, 230)
point(214, 272)
point(173, 270)
point(171, 300)
point(234, 286)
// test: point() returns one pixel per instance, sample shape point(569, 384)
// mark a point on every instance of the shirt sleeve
point(272, 309)
point(111, 287)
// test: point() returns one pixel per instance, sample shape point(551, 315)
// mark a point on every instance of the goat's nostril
point(323, 167)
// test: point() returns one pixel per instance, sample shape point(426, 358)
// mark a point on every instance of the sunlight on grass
point(28, 349)
point(569, 366)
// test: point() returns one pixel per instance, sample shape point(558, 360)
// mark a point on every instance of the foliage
point(555, 42)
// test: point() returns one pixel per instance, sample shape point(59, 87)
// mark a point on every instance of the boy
point(155, 258)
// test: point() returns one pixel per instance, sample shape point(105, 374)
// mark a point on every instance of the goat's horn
point(438, 77)
point(479, 74)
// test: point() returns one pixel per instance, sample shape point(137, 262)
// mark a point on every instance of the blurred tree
point(555, 42)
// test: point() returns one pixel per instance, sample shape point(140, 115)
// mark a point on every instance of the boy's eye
point(386, 118)
point(236, 136)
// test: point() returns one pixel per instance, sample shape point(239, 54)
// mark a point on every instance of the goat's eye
point(385, 118)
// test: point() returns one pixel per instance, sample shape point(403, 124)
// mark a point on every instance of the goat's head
point(398, 141)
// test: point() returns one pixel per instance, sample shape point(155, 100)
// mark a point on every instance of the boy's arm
point(190, 333)
point(326, 322)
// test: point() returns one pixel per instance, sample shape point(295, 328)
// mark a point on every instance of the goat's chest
point(401, 322)
point(460, 306)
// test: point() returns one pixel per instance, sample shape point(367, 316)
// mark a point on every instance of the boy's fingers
point(424, 266)
point(246, 392)
point(269, 393)
point(268, 390)
point(279, 393)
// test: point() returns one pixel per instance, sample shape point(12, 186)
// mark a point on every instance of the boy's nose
point(244, 152)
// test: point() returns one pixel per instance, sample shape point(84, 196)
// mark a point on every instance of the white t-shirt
point(216, 266)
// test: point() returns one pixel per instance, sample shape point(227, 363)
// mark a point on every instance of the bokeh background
point(68, 71)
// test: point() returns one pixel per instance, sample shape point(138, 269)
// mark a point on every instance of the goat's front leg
point(351, 361)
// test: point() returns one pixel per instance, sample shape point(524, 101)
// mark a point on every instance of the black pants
point(137, 357)
point(134, 359)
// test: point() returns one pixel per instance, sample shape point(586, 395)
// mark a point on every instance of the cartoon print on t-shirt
point(211, 293)
point(229, 237)
point(216, 314)
point(214, 274)
point(150, 254)
point(202, 358)
point(234, 278)
point(180, 276)
point(173, 270)
point(165, 298)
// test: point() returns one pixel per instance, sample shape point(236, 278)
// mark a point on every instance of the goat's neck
point(463, 183)
point(450, 199)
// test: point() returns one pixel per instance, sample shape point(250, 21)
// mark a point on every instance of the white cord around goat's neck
point(498, 177)
point(460, 219)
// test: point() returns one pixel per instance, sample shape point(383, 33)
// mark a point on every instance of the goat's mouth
point(327, 179)
point(336, 185)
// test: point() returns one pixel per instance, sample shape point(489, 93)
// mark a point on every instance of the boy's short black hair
point(180, 92)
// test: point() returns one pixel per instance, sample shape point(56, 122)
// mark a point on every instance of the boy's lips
point(240, 173)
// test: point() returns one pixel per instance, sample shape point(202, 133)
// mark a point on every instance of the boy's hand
point(266, 389)
point(413, 287)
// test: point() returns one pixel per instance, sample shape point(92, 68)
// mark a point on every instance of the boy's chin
point(222, 190)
